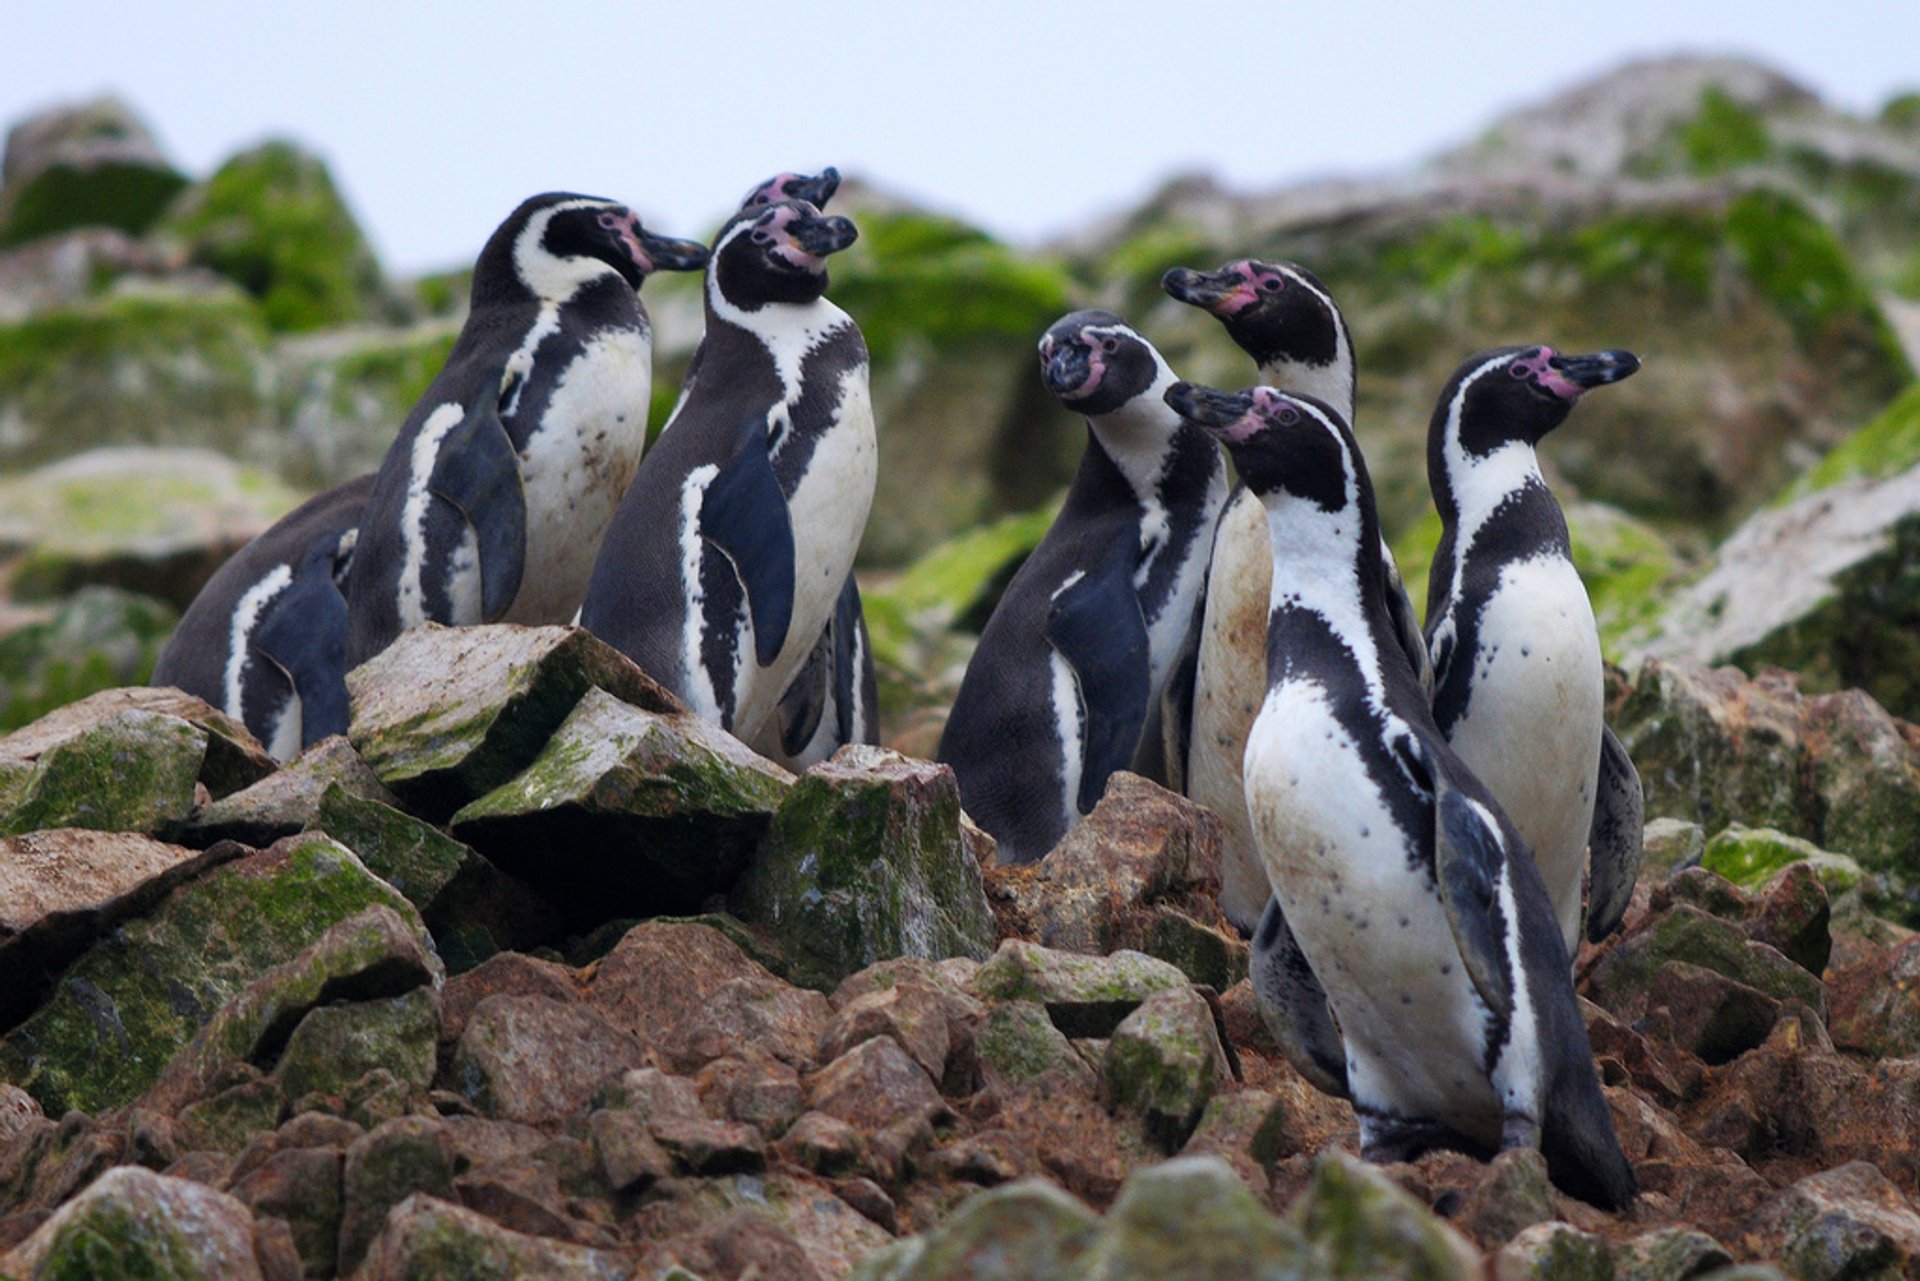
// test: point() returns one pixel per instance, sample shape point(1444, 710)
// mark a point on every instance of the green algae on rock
point(98, 638)
point(121, 1012)
point(1362, 1224)
point(94, 164)
point(134, 1223)
point(1084, 995)
point(868, 857)
point(1025, 1231)
point(1164, 1062)
point(151, 760)
point(1750, 857)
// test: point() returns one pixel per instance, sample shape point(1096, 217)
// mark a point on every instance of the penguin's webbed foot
point(1387, 1140)
point(1519, 1131)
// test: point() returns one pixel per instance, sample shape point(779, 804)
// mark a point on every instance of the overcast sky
point(1024, 115)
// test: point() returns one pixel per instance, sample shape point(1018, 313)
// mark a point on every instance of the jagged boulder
point(94, 164)
point(286, 801)
point(1164, 1062)
point(1084, 995)
point(135, 1223)
point(98, 638)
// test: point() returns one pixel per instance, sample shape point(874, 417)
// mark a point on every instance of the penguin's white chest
point(1533, 720)
point(828, 508)
point(1367, 916)
point(575, 468)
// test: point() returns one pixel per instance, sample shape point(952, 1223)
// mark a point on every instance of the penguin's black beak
point(820, 236)
point(1067, 369)
point(1596, 370)
point(817, 190)
point(668, 254)
point(1203, 289)
point(1206, 408)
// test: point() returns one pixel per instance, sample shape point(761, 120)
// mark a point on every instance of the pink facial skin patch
point(774, 227)
point(625, 224)
point(1535, 366)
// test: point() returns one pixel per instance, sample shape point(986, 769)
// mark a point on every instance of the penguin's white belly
point(1230, 681)
point(1533, 722)
point(575, 469)
point(1368, 918)
point(829, 512)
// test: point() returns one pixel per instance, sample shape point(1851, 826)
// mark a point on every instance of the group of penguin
point(1409, 817)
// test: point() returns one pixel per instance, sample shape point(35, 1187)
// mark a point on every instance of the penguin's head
point(1520, 394)
point(555, 243)
point(777, 253)
point(1277, 312)
point(1094, 362)
point(815, 189)
point(1283, 444)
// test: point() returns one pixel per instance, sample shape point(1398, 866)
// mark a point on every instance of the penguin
point(732, 549)
point(1400, 886)
point(265, 640)
point(497, 491)
point(834, 699)
point(1082, 644)
point(1518, 688)
point(1281, 315)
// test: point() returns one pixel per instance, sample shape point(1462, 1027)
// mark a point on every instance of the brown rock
point(1846, 1222)
point(302, 1187)
point(1513, 1195)
point(871, 1200)
point(763, 1093)
point(629, 1157)
point(133, 1222)
point(285, 801)
point(874, 1085)
point(772, 1017)
point(911, 1013)
point(1793, 917)
point(1876, 1004)
point(503, 973)
point(823, 1144)
point(1246, 1129)
point(662, 972)
point(428, 1237)
point(17, 1110)
point(654, 1095)
point(536, 1060)
point(523, 1195)
point(711, 1147)
point(1710, 1015)
point(275, 1251)
point(383, 1169)
point(234, 759)
point(743, 1246)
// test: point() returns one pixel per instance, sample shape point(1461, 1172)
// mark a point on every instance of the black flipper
point(1294, 1005)
point(1176, 703)
point(478, 471)
point(744, 514)
point(1406, 627)
point(804, 704)
point(1096, 625)
point(1469, 861)
point(303, 632)
point(1614, 840)
point(855, 686)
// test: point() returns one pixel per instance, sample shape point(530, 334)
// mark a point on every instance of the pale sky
point(1027, 117)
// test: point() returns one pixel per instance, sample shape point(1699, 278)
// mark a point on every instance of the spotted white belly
point(1533, 725)
point(1229, 683)
point(1367, 918)
point(829, 513)
point(576, 468)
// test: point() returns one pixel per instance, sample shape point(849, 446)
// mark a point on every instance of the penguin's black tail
point(1577, 1135)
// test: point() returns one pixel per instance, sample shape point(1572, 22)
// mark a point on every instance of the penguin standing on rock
point(1518, 686)
point(1282, 316)
point(265, 641)
point(495, 495)
point(1058, 693)
point(1418, 933)
point(732, 549)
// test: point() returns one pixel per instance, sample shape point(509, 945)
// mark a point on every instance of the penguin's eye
point(1110, 344)
point(1271, 285)
point(1519, 370)
point(762, 238)
point(1287, 416)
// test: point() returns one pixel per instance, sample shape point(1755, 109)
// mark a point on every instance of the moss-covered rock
point(334, 1046)
point(447, 714)
point(1164, 1062)
point(425, 1237)
point(1193, 1218)
point(1622, 979)
point(628, 812)
point(1555, 1252)
point(1361, 1224)
point(134, 1223)
point(472, 907)
point(1751, 857)
point(868, 858)
point(91, 165)
point(1017, 1042)
point(1084, 995)
point(122, 1011)
point(1026, 1231)
point(272, 221)
point(340, 395)
point(96, 639)
point(131, 772)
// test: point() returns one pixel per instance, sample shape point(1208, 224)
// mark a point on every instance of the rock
point(155, 519)
point(271, 219)
point(447, 714)
point(1026, 1231)
point(1709, 1015)
point(232, 758)
point(1141, 872)
point(509, 973)
point(1670, 1254)
point(1084, 995)
point(88, 165)
point(661, 974)
point(1621, 980)
point(1247, 1129)
point(764, 1013)
point(1514, 1196)
point(373, 956)
point(1875, 1006)
point(868, 858)
point(17, 1110)
point(335, 1046)
point(1794, 919)
point(1554, 1252)
point(1164, 1062)
point(61, 890)
point(240, 1106)
point(473, 908)
point(403, 1157)
point(631, 1160)
point(762, 1092)
point(875, 1085)
point(132, 1222)
point(628, 812)
point(1191, 1217)
point(911, 1013)
point(122, 1010)
point(824, 1144)
point(95, 639)
point(153, 760)
point(707, 1148)
point(425, 1237)
point(67, 268)
point(536, 1061)
point(1362, 1225)
point(1669, 845)
point(1845, 1222)
point(338, 393)
point(286, 801)
point(302, 1188)
point(1018, 1042)
point(1751, 857)
point(653, 1095)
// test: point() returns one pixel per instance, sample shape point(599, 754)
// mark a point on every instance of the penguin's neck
point(1325, 565)
point(1332, 382)
point(1477, 485)
point(788, 332)
point(1139, 436)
